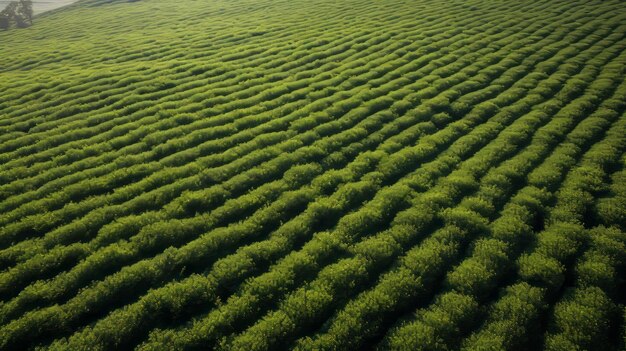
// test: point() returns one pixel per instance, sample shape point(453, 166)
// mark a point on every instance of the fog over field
point(42, 6)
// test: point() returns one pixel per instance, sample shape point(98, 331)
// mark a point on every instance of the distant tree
point(8, 15)
point(21, 21)
point(25, 9)
point(5, 20)
point(19, 13)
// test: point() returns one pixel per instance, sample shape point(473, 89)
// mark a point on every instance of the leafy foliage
point(313, 175)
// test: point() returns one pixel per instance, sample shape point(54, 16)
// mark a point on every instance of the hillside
point(314, 175)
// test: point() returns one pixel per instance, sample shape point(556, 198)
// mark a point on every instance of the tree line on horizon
point(17, 13)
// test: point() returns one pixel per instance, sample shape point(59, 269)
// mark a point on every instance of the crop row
point(542, 271)
point(473, 281)
point(287, 175)
point(201, 323)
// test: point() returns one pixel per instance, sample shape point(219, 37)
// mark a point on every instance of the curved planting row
point(314, 175)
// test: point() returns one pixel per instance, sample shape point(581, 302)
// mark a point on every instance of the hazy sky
point(42, 5)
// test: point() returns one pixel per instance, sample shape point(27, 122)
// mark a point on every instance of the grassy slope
point(316, 151)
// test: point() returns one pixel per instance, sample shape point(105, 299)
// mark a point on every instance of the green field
point(314, 175)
